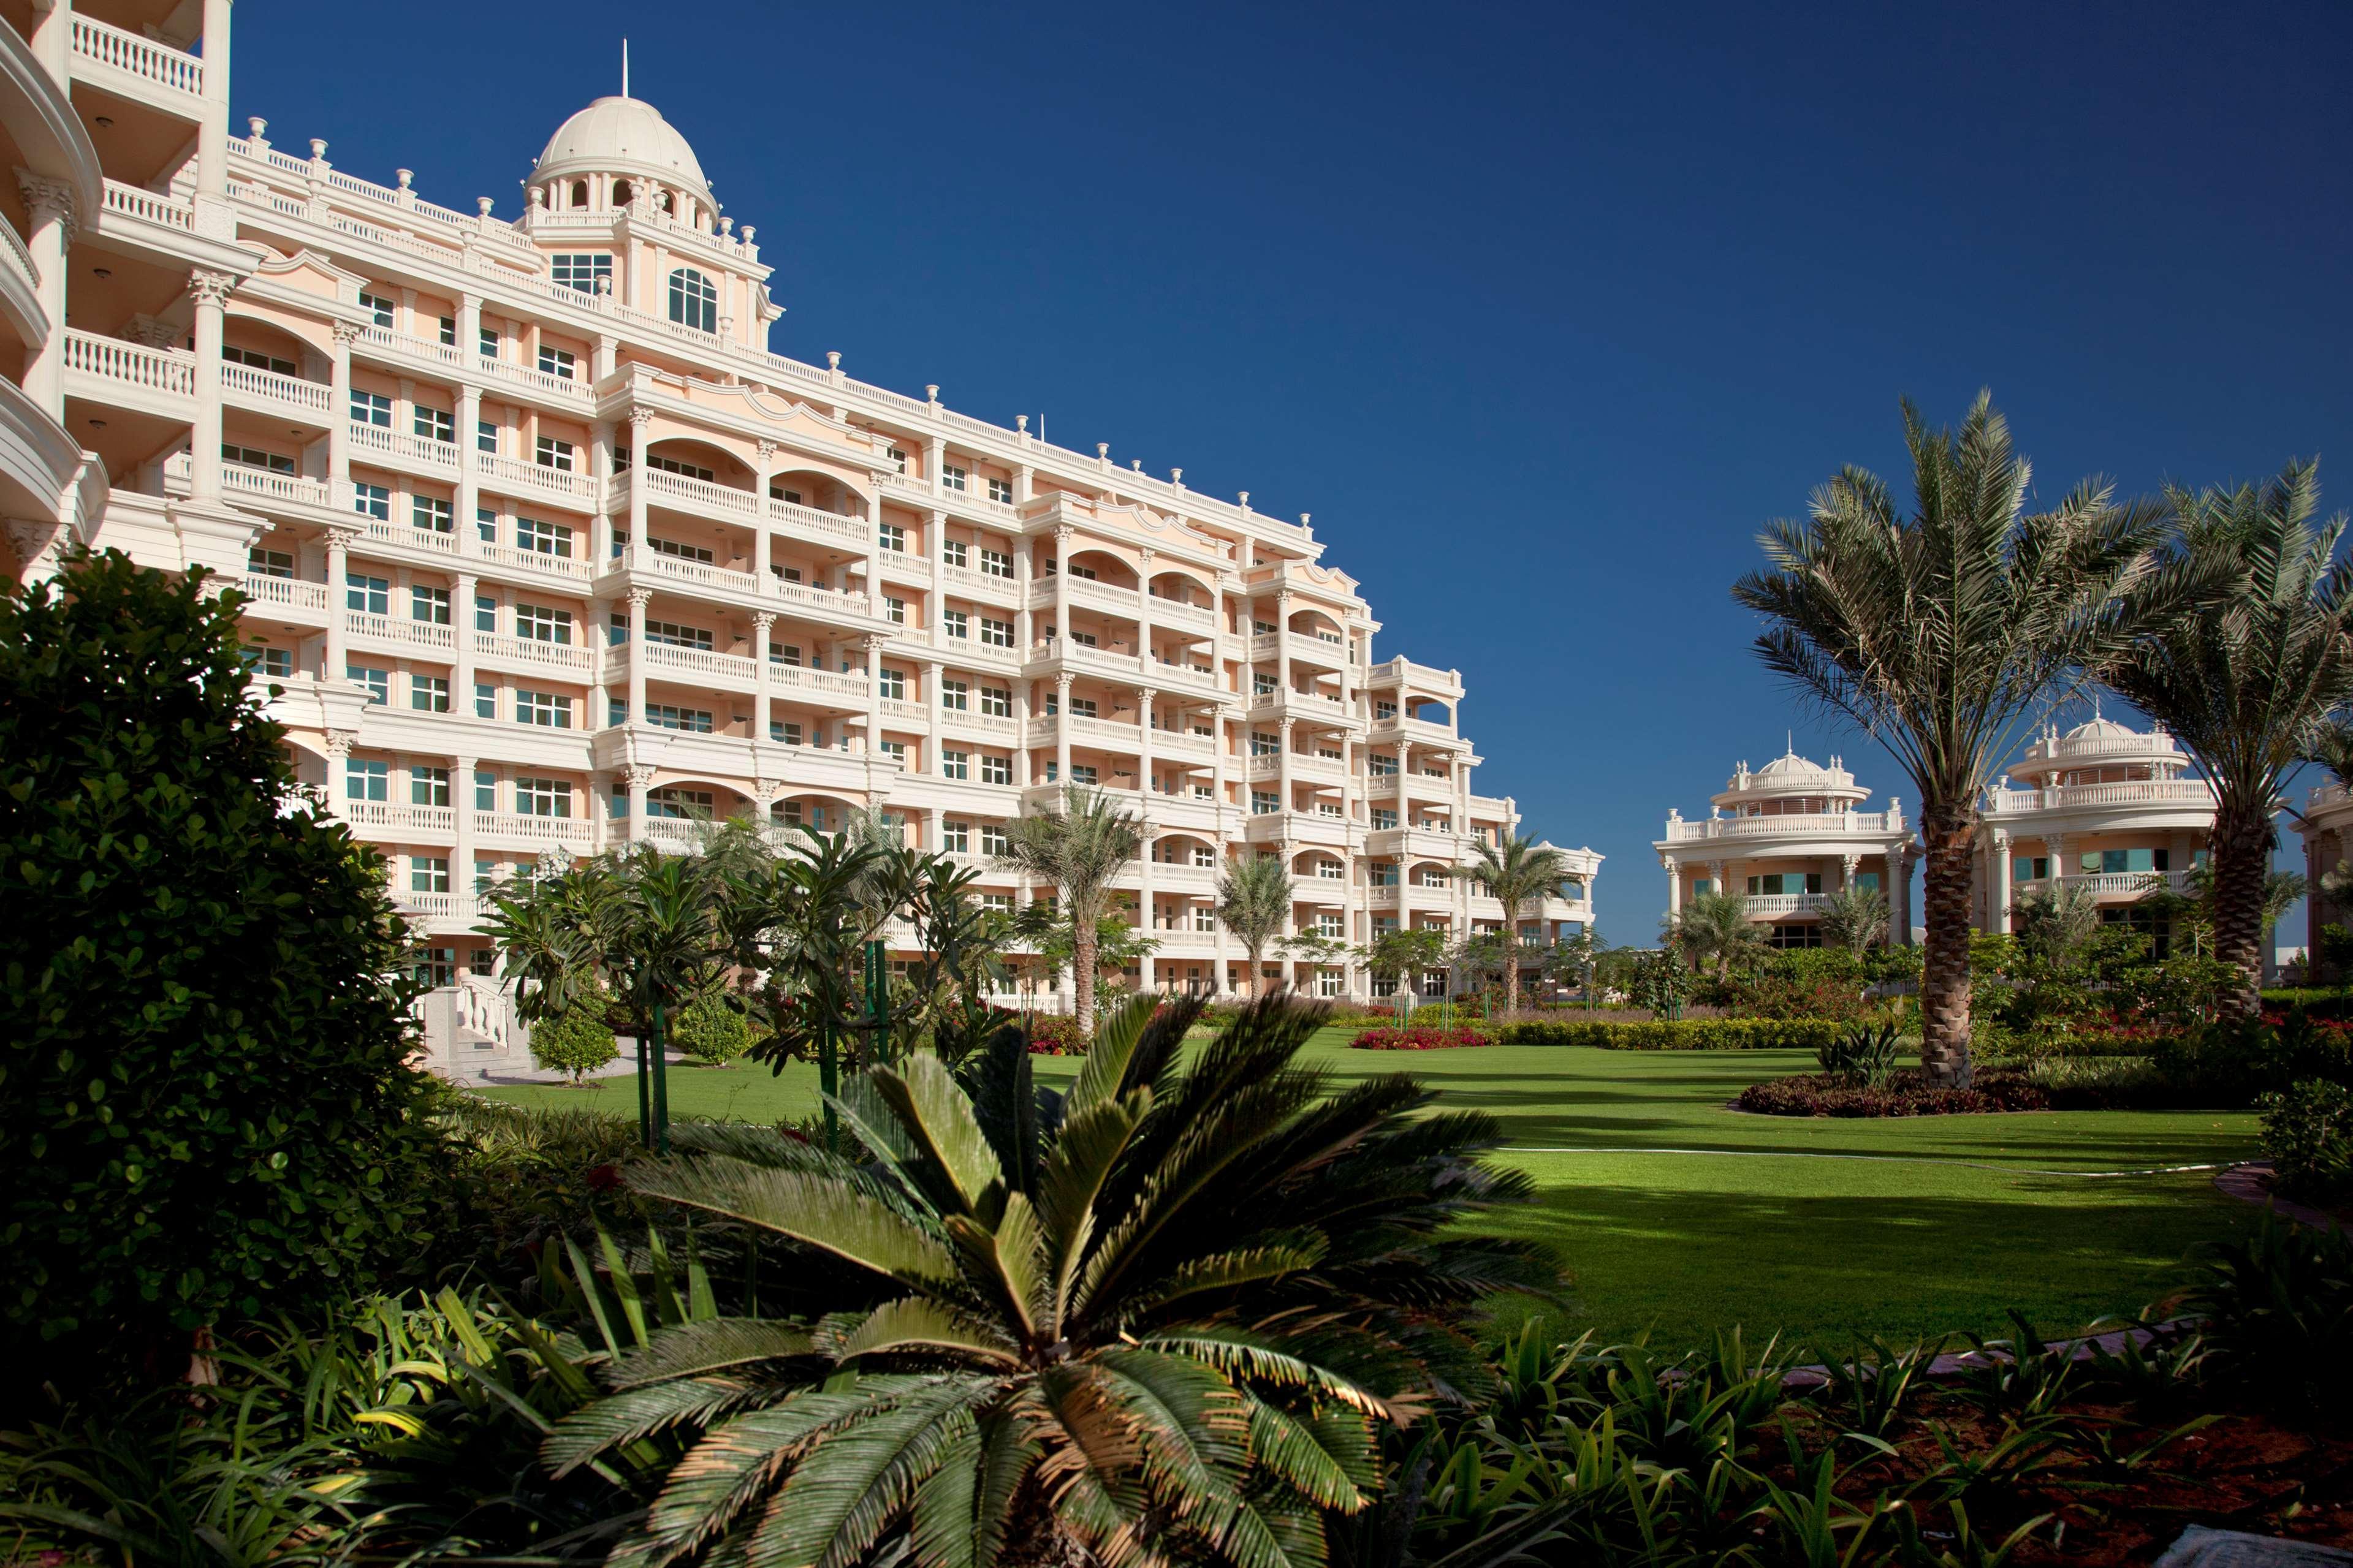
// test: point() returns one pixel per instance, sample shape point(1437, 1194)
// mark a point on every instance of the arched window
point(693, 300)
point(622, 193)
point(664, 201)
point(579, 194)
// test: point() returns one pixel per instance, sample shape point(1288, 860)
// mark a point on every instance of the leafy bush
point(709, 1030)
point(2279, 1312)
point(578, 1042)
point(2317, 1003)
point(1420, 1038)
point(2229, 1066)
point(205, 1105)
point(1057, 1034)
point(2309, 1138)
point(1677, 1034)
point(1860, 1056)
point(1904, 1093)
point(1778, 996)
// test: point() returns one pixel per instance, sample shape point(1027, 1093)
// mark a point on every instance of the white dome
point(2098, 731)
point(1787, 763)
point(622, 136)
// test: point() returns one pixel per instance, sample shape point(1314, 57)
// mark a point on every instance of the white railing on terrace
point(379, 440)
point(391, 629)
point(262, 483)
point(825, 680)
point(134, 56)
point(146, 205)
point(702, 661)
point(2106, 882)
point(292, 391)
point(403, 343)
point(566, 655)
point(532, 560)
point(1792, 824)
point(295, 593)
point(670, 489)
point(822, 521)
point(411, 535)
point(400, 814)
point(538, 380)
point(1785, 903)
point(2138, 792)
point(566, 485)
point(130, 364)
point(2329, 794)
point(15, 245)
point(654, 560)
point(512, 825)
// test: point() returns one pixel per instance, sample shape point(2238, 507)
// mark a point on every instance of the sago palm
point(1945, 634)
point(2246, 683)
point(1855, 918)
point(1158, 1319)
point(1715, 929)
point(1080, 849)
point(1516, 875)
point(1254, 904)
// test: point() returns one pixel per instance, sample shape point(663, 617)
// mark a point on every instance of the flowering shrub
point(1905, 1093)
point(1678, 1033)
point(1056, 1035)
point(1420, 1038)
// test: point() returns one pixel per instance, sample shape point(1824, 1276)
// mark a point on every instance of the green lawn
point(1678, 1215)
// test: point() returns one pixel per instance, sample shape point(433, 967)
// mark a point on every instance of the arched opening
point(693, 300)
point(623, 192)
point(664, 202)
point(1101, 566)
point(818, 490)
point(579, 194)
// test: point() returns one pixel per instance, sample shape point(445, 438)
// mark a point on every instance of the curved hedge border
point(1680, 1035)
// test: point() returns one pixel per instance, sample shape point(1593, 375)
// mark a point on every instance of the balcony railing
point(293, 593)
point(401, 344)
point(400, 815)
point(270, 486)
point(2109, 884)
point(665, 489)
point(1792, 824)
point(1785, 903)
point(376, 440)
point(133, 56)
point(148, 207)
point(734, 668)
point(570, 830)
point(285, 390)
point(392, 628)
point(534, 650)
point(539, 478)
point(532, 560)
point(2138, 792)
point(169, 371)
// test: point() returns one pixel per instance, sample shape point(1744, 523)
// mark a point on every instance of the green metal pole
point(661, 1088)
point(878, 999)
point(644, 1100)
point(828, 1080)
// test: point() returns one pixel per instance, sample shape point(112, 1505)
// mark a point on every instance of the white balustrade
point(2138, 792)
point(533, 650)
point(1791, 824)
point(294, 593)
point(665, 489)
point(131, 202)
point(826, 522)
point(287, 391)
point(130, 364)
point(400, 814)
point(127, 52)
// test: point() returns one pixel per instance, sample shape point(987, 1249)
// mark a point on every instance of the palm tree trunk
point(1253, 976)
point(1083, 984)
point(1946, 831)
point(2241, 844)
point(1511, 983)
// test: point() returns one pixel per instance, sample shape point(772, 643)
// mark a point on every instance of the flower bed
point(1420, 1038)
point(1905, 1093)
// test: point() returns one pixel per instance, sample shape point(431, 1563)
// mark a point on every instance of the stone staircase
point(471, 1031)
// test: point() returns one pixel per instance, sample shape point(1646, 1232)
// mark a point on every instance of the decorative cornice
point(211, 287)
point(50, 200)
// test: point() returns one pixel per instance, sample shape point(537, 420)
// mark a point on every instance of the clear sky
point(1539, 310)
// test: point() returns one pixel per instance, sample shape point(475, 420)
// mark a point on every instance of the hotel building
point(550, 554)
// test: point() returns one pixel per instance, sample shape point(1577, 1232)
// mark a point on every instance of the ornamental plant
point(710, 1031)
point(1420, 1038)
point(577, 1042)
point(206, 1110)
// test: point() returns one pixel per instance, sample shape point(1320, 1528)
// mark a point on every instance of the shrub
point(1677, 1034)
point(1860, 1056)
point(1420, 1038)
point(1781, 996)
point(709, 1030)
point(205, 1105)
point(2309, 1138)
point(1057, 1034)
point(2231, 1064)
point(578, 1042)
point(2317, 1003)
point(2278, 1310)
point(1905, 1093)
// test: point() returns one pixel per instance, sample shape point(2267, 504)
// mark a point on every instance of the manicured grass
point(1926, 1225)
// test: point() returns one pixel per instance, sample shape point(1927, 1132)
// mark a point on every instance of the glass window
point(489, 342)
point(430, 514)
point(486, 613)
point(434, 424)
point(561, 364)
point(368, 595)
point(693, 300)
point(541, 624)
point(255, 457)
point(543, 538)
point(371, 409)
point(950, 476)
point(1001, 492)
point(997, 701)
point(954, 553)
point(893, 685)
point(366, 780)
point(260, 562)
point(995, 770)
point(486, 789)
point(995, 633)
point(449, 331)
point(377, 307)
point(589, 273)
point(270, 363)
point(955, 695)
point(270, 663)
point(894, 610)
point(486, 436)
point(669, 716)
point(995, 563)
point(486, 701)
point(891, 537)
point(956, 764)
point(544, 708)
point(542, 797)
point(670, 633)
point(1263, 802)
point(429, 874)
point(785, 732)
point(554, 454)
point(430, 606)
point(373, 502)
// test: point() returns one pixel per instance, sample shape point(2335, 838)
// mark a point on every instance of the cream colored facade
point(1786, 837)
point(550, 554)
point(2326, 826)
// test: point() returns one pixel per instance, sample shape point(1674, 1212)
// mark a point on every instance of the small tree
point(578, 1042)
point(1855, 918)
point(1402, 955)
point(1715, 929)
point(1516, 875)
point(1080, 850)
point(710, 1031)
point(206, 1110)
point(1253, 903)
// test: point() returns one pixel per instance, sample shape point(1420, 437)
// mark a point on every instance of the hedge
point(1679, 1035)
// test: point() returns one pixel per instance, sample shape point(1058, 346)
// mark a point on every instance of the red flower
point(605, 1178)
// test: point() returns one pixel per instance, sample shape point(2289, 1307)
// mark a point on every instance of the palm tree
point(1514, 874)
point(1158, 1319)
point(1254, 904)
point(1079, 849)
point(2246, 683)
point(1715, 928)
point(1943, 636)
point(1854, 916)
point(2055, 923)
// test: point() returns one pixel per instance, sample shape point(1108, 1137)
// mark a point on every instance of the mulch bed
point(1907, 1092)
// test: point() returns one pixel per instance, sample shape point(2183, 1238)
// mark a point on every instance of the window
point(488, 342)
point(1263, 629)
point(366, 780)
point(486, 436)
point(955, 694)
point(957, 624)
point(693, 301)
point(950, 476)
point(270, 663)
point(894, 610)
point(1384, 818)
point(992, 839)
point(434, 424)
point(891, 537)
point(899, 460)
point(448, 331)
point(997, 701)
point(1700, 885)
point(670, 633)
point(684, 471)
point(368, 595)
point(561, 364)
point(896, 751)
point(429, 513)
point(784, 652)
point(892, 684)
point(430, 606)
point(429, 874)
point(785, 732)
point(666, 716)
point(588, 273)
point(543, 538)
point(1083, 708)
point(428, 785)
point(1864, 881)
point(486, 613)
point(1001, 492)
point(1379, 766)
point(995, 633)
point(1774, 884)
point(1327, 923)
point(542, 797)
point(2030, 867)
point(1262, 744)
point(954, 553)
point(1262, 684)
point(254, 458)
point(260, 562)
point(377, 306)
point(1084, 772)
point(544, 708)
point(1264, 803)
point(486, 702)
point(678, 551)
point(486, 789)
point(995, 563)
point(371, 409)
point(2112, 861)
point(373, 502)
point(270, 363)
point(1431, 878)
point(956, 764)
point(541, 624)
point(995, 770)
point(1329, 870)
point(554, 454)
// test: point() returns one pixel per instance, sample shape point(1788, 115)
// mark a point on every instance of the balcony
point(306, 599)
point(726, 578)
point(974, 585)
point(534, 561)
point(400, 634)
point(406, 535)
point(699, 665)
point(378, 816)
point(845, 690)
point(1395, 728)
point(534, 654)
point(1402, 672)
point(514, 476)
point(162, 382)
point(823, 527)
point(438, 357)
point(130, 66)
point(1794, 824)
point(1163, 612)
point(545, 382)
point(1105, 732)
point(1079, 659)
point(2196, 794)
point(266, 391)
point(1764, 906)
point(2111, 884)
point(377, 444)
point(699, 498)
point(507, 827)
point(264, 485)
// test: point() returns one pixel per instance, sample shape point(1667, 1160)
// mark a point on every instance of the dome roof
point(1789, 764)
point(622, 136)
point(2097, 731)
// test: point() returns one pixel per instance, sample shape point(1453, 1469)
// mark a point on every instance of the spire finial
point(625, 68)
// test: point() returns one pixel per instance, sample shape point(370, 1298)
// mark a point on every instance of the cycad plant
point(1946, 634)
point(1714, 930)
point(1080, 849)
point(2246, 682)
point(1158, 1319)
point(1254, 904)
point(1855, 918)
point(1514, 874)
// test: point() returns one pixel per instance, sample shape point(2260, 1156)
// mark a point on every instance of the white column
point(1144, 558)
point(872, 647)
point(51, 207)
point(468, 415)
point(1062, 536)
point(1283, 642)
point(339, 406)
point(1063, 730)
point(211, 291)
point(637, 777)
point(1674, 885)
point(461, 642)
point(1020, 735)
point(1997, 880)
point(639, 599)
point(1145, 913)
point(764, 580)
point(338, 544)
point(1145, 695)
point(1283, 763)
point(461, 817)
point(212, 133)
point(935, 533)
point(763, 623)
point(638, 550)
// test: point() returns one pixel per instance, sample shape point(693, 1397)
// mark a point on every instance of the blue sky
point(1540, 310)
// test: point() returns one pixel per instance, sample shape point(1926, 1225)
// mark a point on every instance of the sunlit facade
point(1786, 837)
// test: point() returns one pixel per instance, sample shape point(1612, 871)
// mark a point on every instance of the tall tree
point(1253, 904)
point(1515, 874)
point(1080, 849)
point(1943, 636)
point(1715, 929)
point(1855, 918)
point(2246, 682)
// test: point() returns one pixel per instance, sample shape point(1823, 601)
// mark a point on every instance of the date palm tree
point(1715, 929)
point(1946, 633)
point(1855, 918)
point(2247, 683)
point(1080, 849)
point(1516, 873)
point(1161, 1319)
point(1254, 904)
